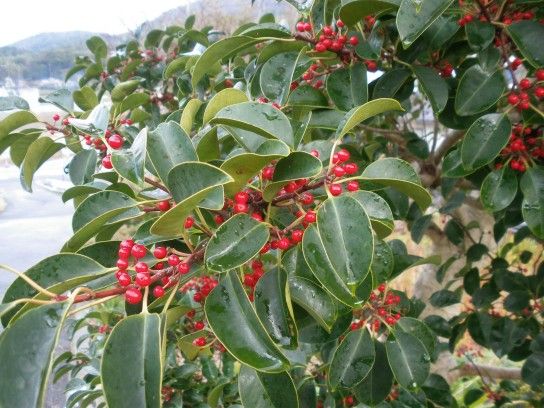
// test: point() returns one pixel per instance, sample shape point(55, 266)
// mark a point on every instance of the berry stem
point(156, 184)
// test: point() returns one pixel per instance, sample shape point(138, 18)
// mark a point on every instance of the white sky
point(23, 18)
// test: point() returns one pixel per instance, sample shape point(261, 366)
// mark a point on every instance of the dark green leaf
point(480, 34)
point(532, 186)
point(347, 87)
point(499, 189)
point(83, 166)
point(264, 390)
point(434, 86)
point(314, 299)
point(353, 11)
point(414, 18)
point(527, 36)
point(408, 358)
point(377, 384)
point(444, 298)
point(478, 91)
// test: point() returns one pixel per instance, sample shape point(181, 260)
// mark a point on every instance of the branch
point(393, 135)
point(156, 184)
point(488, 371)
point(451, 140)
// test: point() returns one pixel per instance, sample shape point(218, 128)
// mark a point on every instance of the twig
point(156, 184)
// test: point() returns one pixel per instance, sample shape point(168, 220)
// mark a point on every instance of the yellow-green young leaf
point(190, 183)
point(352, 360)
point(293, 167)
point(378, 211)
point(377, 384)
point(37, 154)
point(176, 65)
point(364, 112)
point(235, 242)
point(226, 97)
point(532, 187)
point(401, 176)
point(233, 320)
point(527, 36)
point(414, 18)
point(273, 307)
point(353, 11)
point(26, 352)
point(188, 115)
point(131, 365)
point(85, 98)
point(124, 89)
point(167, 146)
point(340, 247)
point(263, 390)
point(218, 51)
point(261, 118)
point(130, 163)
point(408, 359)
point(314, 299)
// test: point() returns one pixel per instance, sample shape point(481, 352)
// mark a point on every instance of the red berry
point(539, 92)
point(343, 155)
point(122, 264)
point(335, 189)
point(199, 325)
point(56, 117)
point(265, 248)
point(158, 291)
point(268, 173)
point(382, 312)
point(173, 260)
point(320, 47)
point(339, 23)
point(468, 18)
point(163, 205)
point(296, 236)
point(307, 26)
point(249, 280)
point(308, 76)
point(189, 222)
point(525, 83)
point(353, 40)
point(138, 251)
point(284, 244)
point(240, 208)
point(219, 219)
point(241, 197)
point(123, 253)
point(310, 216)
point(291, 187)
point(351, 168)
point(115, 141)
point(141, 267)
point(199, 342)
point(327, 30)
point(306, 198)
point(184, 268)
point(327, 43)
point(143, 279)
point(197, 297)
point(106, 162)
point(257, 216)
point(353, 185)
point(390, 320)
point(314, 153)
point(160, 252)
point(124, 279)
point(513, 99)
point(339, 171)
point(300, 26)
point(381, 287)
point(133, 296)
point(127, 243)
point(65, 122)
point(524, 105)
point(516, 63)
point(371, 66)
point(540, 74)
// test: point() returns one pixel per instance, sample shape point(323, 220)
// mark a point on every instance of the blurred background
point(38, 44)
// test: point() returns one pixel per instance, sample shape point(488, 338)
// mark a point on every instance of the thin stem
point(32, 283)
point(90, 304)
point(156, 184)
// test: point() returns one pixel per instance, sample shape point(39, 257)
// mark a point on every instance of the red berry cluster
point(200, 287)
point(383, 307)
point(526, 145)
point(251, 278)
point(522, 99)
point(333, 38)
point(262, 99)
point(446, 70)
point(340, 170)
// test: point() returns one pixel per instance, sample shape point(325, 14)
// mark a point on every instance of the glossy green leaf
point(264, 390)
point(339, 259)
point(13, 102)
point(314, 299)
point(277, 74)
point(499, 189)
point(420, 330)
point(408, 359)
point(347, 87)
point(14, 121)
point(401, 176)
point(527, 36)
point(130, 163)
point(226, 97)
point(452, 166)
point(378, 211)
point(307, 97)
point(235, 242)
point(85, 98)
point(377, 384)
point(434, 86)
point(484, 140)
point(190, 183)
point(480, 34)
point(216, 52)
point(133, 101)
point(390, 83)
point(131, 367)
point(167, 146)
point(97, 46)
point(353, 11)
point(278, 47)
point(206, 144)
point(532, 371)
point(188, 115)
point(61, 98)
point(261, 118)
point(364, 112)
point(478, 91)
point(175, 66)
point(26, 352)
point(273, 307)
point(235, 323)
point(37, 154)
point(352, 360)
point(266, 31)
point(293, 167)
point(123, 89)
point(413, 18)
point(83, 166)
point(382, 262)
point(532, 187)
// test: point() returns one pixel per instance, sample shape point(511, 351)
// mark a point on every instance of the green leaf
point(347, 87)
point(527, 36)
point(85, 98)
point(485, 139)
point(207, 144)
point(264, 390)
point(420, 330)
point(532, 187)
point(273, 307)
point(124, 89)
point(261, 118)
point(277, 74)
point(413, 18)
point(218, 51)
point(339, 259)
point(235, 323)
point(390, 83)
point(188, 115)
point(377, 384)
point(131, 368)
point(532, 371)
point(266, 31)
point(37, 154)
point(452, 165)
point(83, 166)
point(293, 167)
point(314, 299)
point(364, 112)
point(353, 11)
point(97, 46)
point(235, 242)
point(308, 97)
point(61, 98)
point(15, 121)
point(167, 146)
point(97, 210)
point(480, 34)
point(400, 175)
point(352, 360)
point(378, 211)
point(29, 343)
point(189, 183)
point(408, 359)
point(499, 189)
point(444, 298)
point(226, 97)
point(478, 90)
point(132, 101)
point(97, 120)
point(13, 102)
point(434, 86)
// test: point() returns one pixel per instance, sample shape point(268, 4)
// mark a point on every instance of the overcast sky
point(23, 18)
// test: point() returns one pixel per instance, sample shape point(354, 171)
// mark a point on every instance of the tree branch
point(488, 371)
point(448, 142)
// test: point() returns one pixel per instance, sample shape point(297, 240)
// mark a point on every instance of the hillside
point(49, 55)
